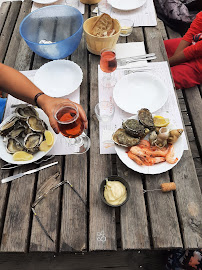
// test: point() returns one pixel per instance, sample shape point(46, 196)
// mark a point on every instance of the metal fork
point(129, 71)
point(124, 62)
point(10, 166)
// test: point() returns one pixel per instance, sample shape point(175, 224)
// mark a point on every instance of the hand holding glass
point(71, 126)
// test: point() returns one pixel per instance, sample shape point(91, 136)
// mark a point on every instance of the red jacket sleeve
point(193, 51)
point(195, 28)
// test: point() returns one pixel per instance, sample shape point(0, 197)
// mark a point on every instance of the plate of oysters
point(148, 143)
point(25, 135)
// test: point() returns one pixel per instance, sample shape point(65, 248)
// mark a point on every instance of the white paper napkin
point(131, 49)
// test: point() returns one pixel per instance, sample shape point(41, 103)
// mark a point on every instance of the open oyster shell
point(32, 142)
point(36, 124)
point(133, 128)
point(7, 127)
point(121, 138)
point(13, 145)
point(24, 111)
point(145, 118)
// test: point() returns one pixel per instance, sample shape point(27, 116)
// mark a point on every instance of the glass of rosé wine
point(108, 64)
point(71, 126)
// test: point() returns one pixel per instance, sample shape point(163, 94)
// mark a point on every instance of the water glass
point(126, 27)
point(104, 7)
point(104, 111)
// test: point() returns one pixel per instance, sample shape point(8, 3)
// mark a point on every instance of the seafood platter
point(26, 135)
point(148, 144)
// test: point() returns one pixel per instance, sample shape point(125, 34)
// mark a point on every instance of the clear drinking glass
point(71, 126)
point(126, 27)
point(108, 64)
point(104, 111)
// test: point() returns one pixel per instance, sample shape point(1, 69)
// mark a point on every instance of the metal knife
point(13, 177)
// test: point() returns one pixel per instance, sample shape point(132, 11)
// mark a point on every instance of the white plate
point(45, 2)
point(140, 90)
point(58, 78)
point(9, 158)
point(126, 4)
point(156, 168)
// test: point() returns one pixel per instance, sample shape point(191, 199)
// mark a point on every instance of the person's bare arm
point(179, 56)
point(17, 85)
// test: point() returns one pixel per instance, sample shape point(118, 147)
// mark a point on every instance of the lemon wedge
point(44, 146)
point(160, 121)
point(49, 137)
point(22, 156)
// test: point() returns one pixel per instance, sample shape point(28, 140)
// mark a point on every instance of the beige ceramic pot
point(90, 2)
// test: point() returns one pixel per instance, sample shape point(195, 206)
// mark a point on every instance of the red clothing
point(194, 51)
point(187, 74)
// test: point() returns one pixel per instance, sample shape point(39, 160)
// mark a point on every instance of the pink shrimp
point(135, 158)
point(158, 152)
point(138, 151)
point(155, 160)
point(170, 155)
point(144, 144)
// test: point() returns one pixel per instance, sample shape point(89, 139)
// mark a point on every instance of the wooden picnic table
point(150, 221)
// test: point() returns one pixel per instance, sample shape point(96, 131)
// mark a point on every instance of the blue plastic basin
point(60, 24)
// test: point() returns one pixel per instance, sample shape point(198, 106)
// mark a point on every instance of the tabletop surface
point(147, 221)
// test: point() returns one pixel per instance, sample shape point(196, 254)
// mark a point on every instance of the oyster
point(36, 124)
point(17, 130)
point(24, 111)
point(120, 137)
point(145, 118)
point(133, 128)
point(32, 142)
point(13, 145)
point(6, 128)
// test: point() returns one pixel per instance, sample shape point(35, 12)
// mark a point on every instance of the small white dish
point(9, 157)
point(140, 90)
point(126, 4)
point(58, 78)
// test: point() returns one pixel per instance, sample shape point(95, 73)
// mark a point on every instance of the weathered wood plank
point(188, 197)
point(4, 188)
point(15, 40)
point(133, 216)
point(162, 29)
point(119, 260)
point(17, 221)
point(48, 212)
point(162, 212)
point(134, 225)
point(194, 102)
point(102, 217)
point(166, 216)
point(8, 28)
point(73, 234)
point(3, 13)
point(154, 42)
